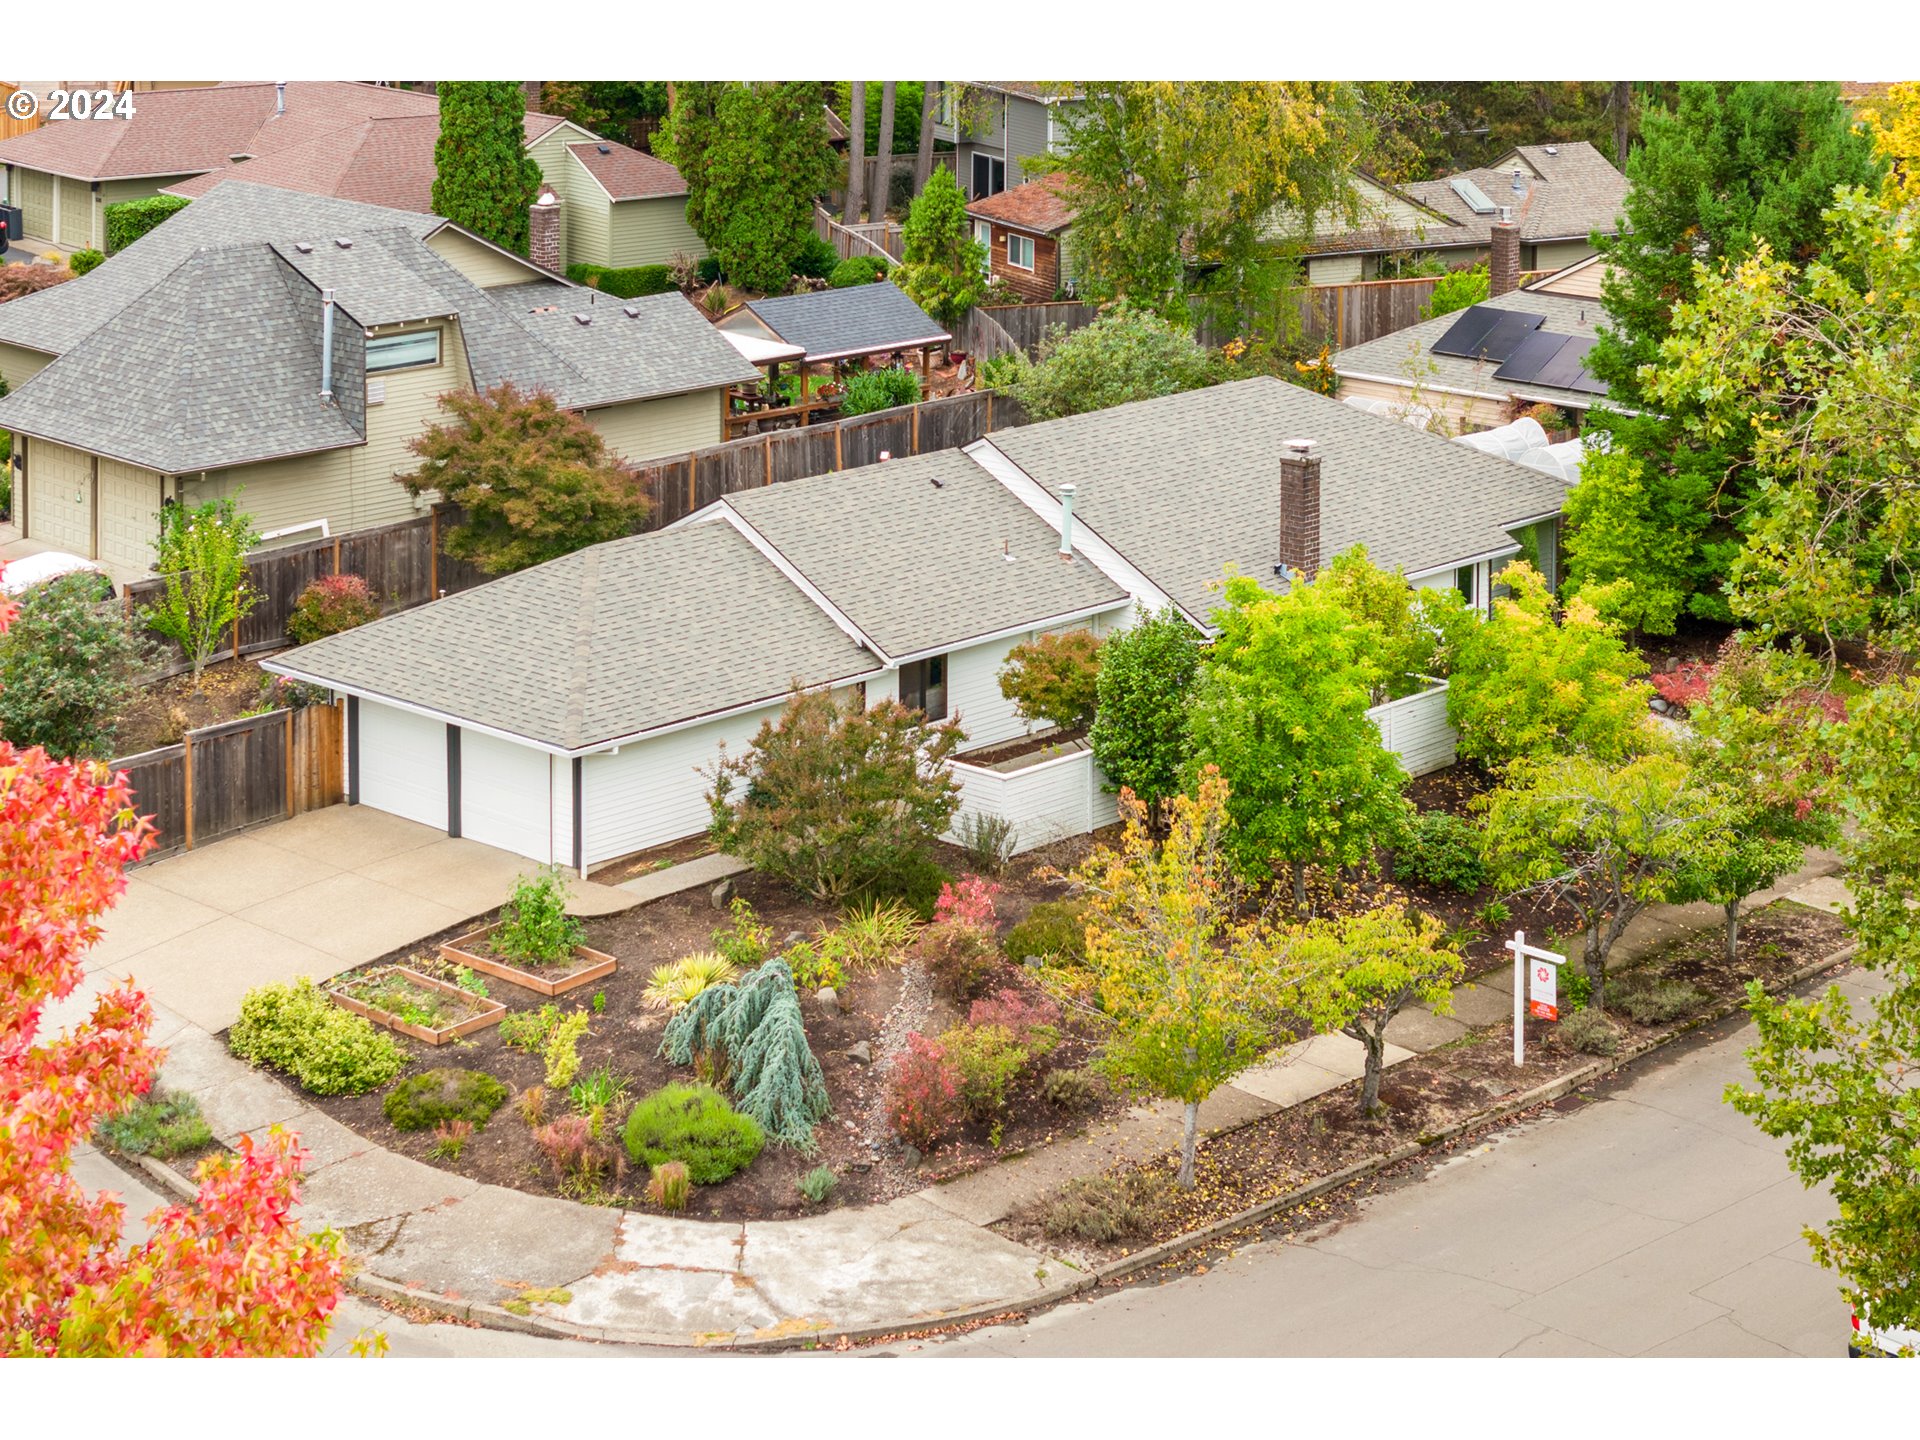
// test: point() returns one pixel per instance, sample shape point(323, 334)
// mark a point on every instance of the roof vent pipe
point(326, 347)
point(279, 97)
point(1066, 521)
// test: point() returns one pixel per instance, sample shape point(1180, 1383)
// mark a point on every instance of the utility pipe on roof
point(1066, 521)
point(326, 347)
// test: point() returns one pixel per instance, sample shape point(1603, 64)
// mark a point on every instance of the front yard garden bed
point(1282, 1152)
point(429, 1010)
point(476, 951)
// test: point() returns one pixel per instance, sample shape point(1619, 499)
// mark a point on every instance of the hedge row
point(128, 220)
point(625, 284)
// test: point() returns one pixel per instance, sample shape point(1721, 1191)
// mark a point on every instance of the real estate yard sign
point(1536, 975)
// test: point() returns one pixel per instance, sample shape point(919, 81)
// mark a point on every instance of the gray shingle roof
point(665, 347)
point(368, 277)
point(608, 642)
point(1407, 355)
point(919, 566)
point(859, 320)
point(1187, 485)
point(1569, 193)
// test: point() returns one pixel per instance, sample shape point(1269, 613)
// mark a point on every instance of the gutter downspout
point(326, 347)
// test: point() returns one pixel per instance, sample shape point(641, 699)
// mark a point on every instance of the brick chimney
point(1300, 509)
point(543, 230)
point(532, 89)
point(1503, 269)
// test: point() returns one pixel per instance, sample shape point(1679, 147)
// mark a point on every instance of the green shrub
point(1442, 849)
point(562, 1053)
point(707, 271)
point(81, 261)
point(987, 1060)
point(69, 668)
point(1106, 1208)
point(817, 1184)
point(1590, 1032)
point(624, 283)
point(1054, 930)
point(528, 1029)
point(694, 1125)
point(1054, 679)
point(1072, 1090)
point(162, 1125)
point(128, 220)
point(1658, 1002)
point(329, 605)
point(817, 258)
point(743, 941)
point(421, 1102)
point(856, 270)
point(670, 1186)
point(987, 839)
point(914, 879)
point(813, 968)
point(1456, 290)
point(1000, 372)
point(871, 390)
point(534, 925)
point(327, 1051)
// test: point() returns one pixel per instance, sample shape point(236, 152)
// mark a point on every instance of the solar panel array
point(1484, 333)
point(1526, 354)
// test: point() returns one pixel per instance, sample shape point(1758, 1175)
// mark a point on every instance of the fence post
point(693, 469)
point(989, 411)
point(336, 554)
point(838, 464)
point(238, 591)
point(186, 764)
point(766, 449)
point(290, 715)
point(916, 429)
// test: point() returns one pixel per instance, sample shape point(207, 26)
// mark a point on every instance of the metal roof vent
point(1519, 182)
point(583, 319)
point(343, 242)
point(604, 149)
point(1300, 447)
point(303, 247)
point(1553, 149)
point(632, 311)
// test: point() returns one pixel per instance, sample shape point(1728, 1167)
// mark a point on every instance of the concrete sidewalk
point(313, 896)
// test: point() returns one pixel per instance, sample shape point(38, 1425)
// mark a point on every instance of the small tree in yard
point(1124, 355)
point(1193, 993)
point(68, 667)
point(944, 268)
point(536, 482)
point(203, 556)
point(831, 798)
point(1523, 685)
point(484, 178)
point(1368, 967)
point(1144, 695)
point(1281, 709)
point(1608, 840)
point(1054, 679)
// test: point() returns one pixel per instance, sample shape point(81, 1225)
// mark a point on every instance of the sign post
point(1536, 976)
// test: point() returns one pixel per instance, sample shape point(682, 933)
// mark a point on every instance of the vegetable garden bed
point(475, 951)
point(428, 1010)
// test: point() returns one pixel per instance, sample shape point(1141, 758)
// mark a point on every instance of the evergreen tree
point(755, 158)
point(483, 177)
point(945, 267)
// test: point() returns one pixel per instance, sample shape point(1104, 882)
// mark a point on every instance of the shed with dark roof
point(845, 324)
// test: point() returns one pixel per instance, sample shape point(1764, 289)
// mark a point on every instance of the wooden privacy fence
point(402, 563)
point(1028, 325)
point(683, 484)
point(982, 337)
point(226, 777)
point(1340, 316)
point(882, 240)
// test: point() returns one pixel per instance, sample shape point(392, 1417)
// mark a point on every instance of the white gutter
point(1460, 564)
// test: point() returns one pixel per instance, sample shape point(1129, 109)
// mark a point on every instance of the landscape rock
point(860, 1053)
point(828, 997)
point(910, 1156)
point(1660, 706)
point(722, 894)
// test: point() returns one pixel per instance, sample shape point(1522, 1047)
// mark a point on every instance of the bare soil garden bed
point(476, 951)
point(430, 1010)
point(1268, 1158)
point(164, 710)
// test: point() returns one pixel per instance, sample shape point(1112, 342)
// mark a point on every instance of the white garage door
point(506, 795)
point(60, 497)
point(403, 764)
point(652, 792)
point(129, 516)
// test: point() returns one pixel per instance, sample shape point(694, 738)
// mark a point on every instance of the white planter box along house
point(1415, 728)
point(1044, 799)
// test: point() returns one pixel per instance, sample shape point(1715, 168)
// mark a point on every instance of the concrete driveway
point(313, 896)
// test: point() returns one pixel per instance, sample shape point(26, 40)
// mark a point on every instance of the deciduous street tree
point(1193, 990)
point(535, 482)
point(1144, 695)
point(483, 177)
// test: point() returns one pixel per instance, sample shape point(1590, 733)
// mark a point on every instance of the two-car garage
point(87, 505)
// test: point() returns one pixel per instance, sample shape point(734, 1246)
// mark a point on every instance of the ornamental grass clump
point(670, 1186)
point(162, 1125)
point(756, 1029)
point(673, 985)
point(534, 927)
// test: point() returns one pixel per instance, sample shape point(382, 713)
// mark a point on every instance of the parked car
point(1884, 1343)
point(31, 570)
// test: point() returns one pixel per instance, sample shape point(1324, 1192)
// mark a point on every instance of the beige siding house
point(341, 327)
point(624, 208)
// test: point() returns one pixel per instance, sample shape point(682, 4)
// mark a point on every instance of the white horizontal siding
point(1415, 728)
point(1044, 803)
point(973, 693)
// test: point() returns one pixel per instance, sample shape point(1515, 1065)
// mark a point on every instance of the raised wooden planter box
point(589, 965)
point(488, 1013)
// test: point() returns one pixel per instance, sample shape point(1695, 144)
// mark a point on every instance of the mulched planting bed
point(660, 857)
point(1284, 1151)
point(625, 1036)
point(161, 711)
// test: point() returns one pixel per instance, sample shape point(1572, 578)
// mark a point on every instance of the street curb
point(494, 1317)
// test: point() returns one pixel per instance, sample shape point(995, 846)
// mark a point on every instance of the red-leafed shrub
point(1017, 1014)
point(1686, 684)
point(572, 1151)
point(960, 947)
point(923, 1100)
point(968, 903)
point(329, 605)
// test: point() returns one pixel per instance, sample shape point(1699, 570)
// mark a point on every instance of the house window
point(403, 352)
point(923, 686)
point(989, 176)
point(1020, 251)
point(1463, 582)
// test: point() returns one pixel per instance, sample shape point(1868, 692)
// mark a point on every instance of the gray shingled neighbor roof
point(922, 566)
point(1188, 485)
point(1407, 355)
point(609, 642)
point(1571, 191)
point(858, 320)
point(653, 345)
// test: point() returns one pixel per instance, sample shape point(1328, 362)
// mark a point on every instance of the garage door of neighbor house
point(506, 795)
point(76, 213)
point(36, 200)
point(403, 764)
point(129, 517)
point(60, 497)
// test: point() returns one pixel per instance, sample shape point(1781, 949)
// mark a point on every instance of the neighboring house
point(63, 175)
point(1476, 377)
point(996, 126)
point(619, 207)
point(1558, 196)
point(194, 365)
point(638, 660)
point(1024, 230)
